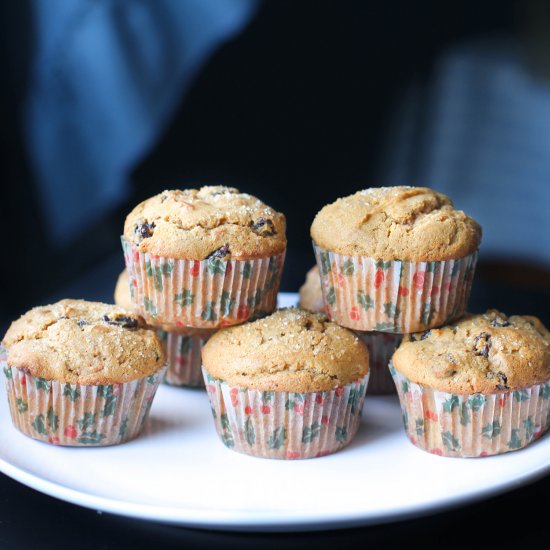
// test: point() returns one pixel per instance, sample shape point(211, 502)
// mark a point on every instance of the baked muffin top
point(396, 223)
point(210, 222)
point(311, 295)
point(82, 342)
point(483, 353)
point(122, 291)
point(291, 350)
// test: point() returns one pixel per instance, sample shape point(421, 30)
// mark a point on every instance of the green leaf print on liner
point(53, 420)
point(491, 430)
point(228, 440)
point(427, 314)
point(450, 404)
point(405, 386)
point(107, 393)
point(431, 267)
point(476, 401)
point(456, 268)
point(70, 392)
point(91, 438)
point(216, 266)
point(184, 298)
point(87, 421)
point(208, 313)
point(515, 440)
point(7, 373)
point(405, 418)
point(364, 300)
point(224, 420)
point(353, 399)
point(331, 296)
point(309, 433)
point(42, 384)
point(521, 395)
point(22, 406)
point(267, 396)
point(149, 306)
point(247, 270)
point(152, 379)
point(325, 262)
point(545, 391)
point(123, 427)
point(419, 427)
point(39, 425)
point(341, 434)
point(348, 268)
point(450, 441)
point(465, 417)
point(277, 438)
point(385, 327)
point(226, 303)
point(391, 310)
point(249, 433)
point(158, 272)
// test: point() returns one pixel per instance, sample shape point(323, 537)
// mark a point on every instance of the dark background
point(293, 110)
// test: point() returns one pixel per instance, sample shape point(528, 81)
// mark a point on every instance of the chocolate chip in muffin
point(503, 379)
point(81, 323)
point(482, 343)
point(263, 227)
point(121, 320)
point(219, 253)
point(499, 322)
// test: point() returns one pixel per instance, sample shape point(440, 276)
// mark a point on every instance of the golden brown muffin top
point(122, 291)
point(196, 224)
point(482, 353)
point(396, 223)
point(311, 295)
point(291, 350)
point(82, 342)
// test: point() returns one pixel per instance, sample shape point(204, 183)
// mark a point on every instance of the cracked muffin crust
point(482, 353)
point(76, 341)
point(396, 223)
point(206, 223)
point(291, 350)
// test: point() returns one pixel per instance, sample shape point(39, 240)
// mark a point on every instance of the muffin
point(478, 387)
point(81, 373)
point(182, 348)
point(291, 385)
point(395, 259)
point(205, 258)
point(381, 345)
point(311, 295)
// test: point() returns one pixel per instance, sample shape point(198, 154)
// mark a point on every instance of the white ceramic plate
point(179, 472)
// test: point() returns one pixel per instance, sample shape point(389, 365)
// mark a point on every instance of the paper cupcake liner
point(183, 358)
point(76, 414)
point(365, 294)
point(203, 294)
point(381, 348)
point(474, 425)
point(285, 425)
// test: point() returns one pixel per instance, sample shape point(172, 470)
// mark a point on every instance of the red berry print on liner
point(70, 432)
point(211, 388)
point(436, 452)
point(195, 269)
point(298, 408)
point(325, 420)
point(339, 391)
point(319, 399)
point(54, 440)
point(418, 279)
point(354, 313)
point(234, 394)
point(265, 409)
point(378, 278)
point(435, 291)
point(292, 455)
point(402, 291)
point(248, 410)
point(431, 415)
point(24, 380)
point(181, 360)
point(341, 280)
point(243, 312)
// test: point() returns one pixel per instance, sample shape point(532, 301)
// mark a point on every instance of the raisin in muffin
point(290, 385)
point(81, 373)
point(475, 387)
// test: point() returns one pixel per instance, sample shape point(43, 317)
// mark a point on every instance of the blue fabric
point(480, 132)
point(107, 76)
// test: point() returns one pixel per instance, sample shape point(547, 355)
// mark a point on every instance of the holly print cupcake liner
point(209, 293)
point(285, 425)
point(474, 425)
point(79, 415)
point(381, 347)
point(366, 294)
point(183, 359)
